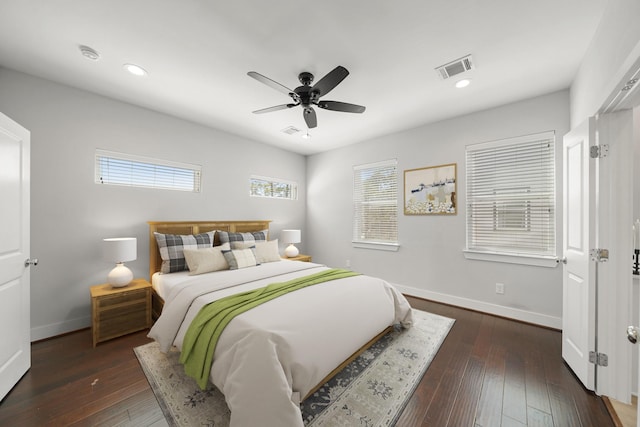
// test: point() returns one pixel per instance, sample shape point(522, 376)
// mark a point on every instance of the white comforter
point(270, 357)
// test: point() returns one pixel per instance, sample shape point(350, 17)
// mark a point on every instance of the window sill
point(391, 247)
point(523, 259)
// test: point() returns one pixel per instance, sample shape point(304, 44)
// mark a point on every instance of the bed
point(271, 357)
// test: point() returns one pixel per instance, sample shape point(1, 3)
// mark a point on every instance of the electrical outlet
point(500, 288)
point(348, 263)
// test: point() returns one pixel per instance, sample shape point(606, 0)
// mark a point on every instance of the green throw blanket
point(202, 336)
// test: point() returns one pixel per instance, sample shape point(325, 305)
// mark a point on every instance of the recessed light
point(136, 70)
point(89, 53)
point(463, 83)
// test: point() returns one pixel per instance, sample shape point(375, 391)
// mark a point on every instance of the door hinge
point(600, 255)
point(599, 359)
point(599, 151)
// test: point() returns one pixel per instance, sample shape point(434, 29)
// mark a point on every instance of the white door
point(15, 344)
point(614, 278)
point(578, 286)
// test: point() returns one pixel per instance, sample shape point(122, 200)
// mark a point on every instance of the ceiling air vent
point(290, 130)
point(456, 67)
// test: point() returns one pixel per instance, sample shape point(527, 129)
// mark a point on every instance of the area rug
point(370, 391)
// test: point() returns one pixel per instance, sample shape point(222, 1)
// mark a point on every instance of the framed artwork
point(430, 190)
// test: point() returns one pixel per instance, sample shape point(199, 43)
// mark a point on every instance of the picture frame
point(431, 190)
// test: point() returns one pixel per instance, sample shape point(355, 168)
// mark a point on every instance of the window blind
point(137, 171)
point(511, 196)
point(375, 200)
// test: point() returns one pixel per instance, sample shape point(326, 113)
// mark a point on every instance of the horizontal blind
point(375, 200)
point(137, 171)
point(511, 195)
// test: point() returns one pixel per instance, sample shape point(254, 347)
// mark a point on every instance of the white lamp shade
point(120, 249)
point(290, 236)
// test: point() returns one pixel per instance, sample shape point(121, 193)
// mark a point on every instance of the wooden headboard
point(195, 227)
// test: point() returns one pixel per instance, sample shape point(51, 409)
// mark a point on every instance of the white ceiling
point(198, 53)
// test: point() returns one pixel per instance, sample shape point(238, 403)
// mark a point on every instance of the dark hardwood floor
point(490, 372)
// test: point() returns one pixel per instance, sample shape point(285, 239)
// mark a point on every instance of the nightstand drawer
point(128, 297)
point(123, 319)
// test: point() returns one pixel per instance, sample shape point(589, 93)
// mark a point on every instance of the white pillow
point(206, 260)
point(265, 251)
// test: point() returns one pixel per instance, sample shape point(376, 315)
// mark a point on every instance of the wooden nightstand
point(120, 311)
point(305, 258)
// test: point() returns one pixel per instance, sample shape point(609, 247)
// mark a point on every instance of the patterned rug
point(370, 391)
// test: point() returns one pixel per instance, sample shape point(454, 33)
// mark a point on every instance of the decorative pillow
point(171, 247)
point(265, 251)
point(253, 237)
point(206, 260)
point(240, 258)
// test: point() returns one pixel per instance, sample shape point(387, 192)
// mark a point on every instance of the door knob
point(632, 334)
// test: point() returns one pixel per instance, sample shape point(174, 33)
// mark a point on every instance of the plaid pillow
point(241, 258)
point(171, 248)
point(256, 236)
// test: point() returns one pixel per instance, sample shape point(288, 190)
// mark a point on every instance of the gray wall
point(70, 215)
point(430, 261)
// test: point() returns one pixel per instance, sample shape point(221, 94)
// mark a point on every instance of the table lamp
point(120, 250)
point(290, 237)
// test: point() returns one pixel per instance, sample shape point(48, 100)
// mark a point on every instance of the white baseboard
point(48, 331)
point(498, 310)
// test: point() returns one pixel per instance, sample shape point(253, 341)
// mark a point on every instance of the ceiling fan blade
point(341, 106)
point(310, 117)
point(331, 80)
point(276, 108)
point(266, 80)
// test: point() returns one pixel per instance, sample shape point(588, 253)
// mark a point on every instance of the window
point(136, 171)
point(511, 196)
point(260, 186)
point(375, 200)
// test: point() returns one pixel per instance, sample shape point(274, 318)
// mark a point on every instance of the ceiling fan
point(307, 96)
